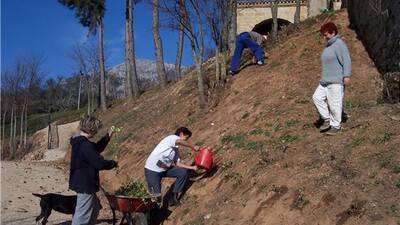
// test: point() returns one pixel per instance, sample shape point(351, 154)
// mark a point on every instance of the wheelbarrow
point(129, 205)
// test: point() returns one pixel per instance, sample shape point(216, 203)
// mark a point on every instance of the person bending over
point(164, 161)
point(251, 40)
point(86, 162)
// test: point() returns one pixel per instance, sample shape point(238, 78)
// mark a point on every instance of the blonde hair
point(90, 125)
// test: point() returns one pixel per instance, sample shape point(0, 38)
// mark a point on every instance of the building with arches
point(256, 14)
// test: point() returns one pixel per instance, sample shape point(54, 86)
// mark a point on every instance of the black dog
point(60, 203)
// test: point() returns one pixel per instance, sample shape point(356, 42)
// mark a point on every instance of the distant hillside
point(147, 73)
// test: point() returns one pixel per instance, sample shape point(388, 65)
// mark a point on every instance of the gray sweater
point(335, 62)
point(256, 37)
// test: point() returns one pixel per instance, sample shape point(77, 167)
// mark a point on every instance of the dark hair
point(183, 130)
point(90, 125)
point(329, 27)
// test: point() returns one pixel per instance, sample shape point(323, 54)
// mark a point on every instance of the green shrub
point(135, 189)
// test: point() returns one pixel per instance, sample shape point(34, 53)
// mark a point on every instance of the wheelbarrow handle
point(103, 190)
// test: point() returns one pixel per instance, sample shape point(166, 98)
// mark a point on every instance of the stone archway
point(265, 27)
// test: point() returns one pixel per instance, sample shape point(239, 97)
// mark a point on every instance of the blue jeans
point(154, 179)
point(86, 210)
point(243, 41)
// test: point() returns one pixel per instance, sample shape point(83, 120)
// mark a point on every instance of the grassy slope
point(275, 167)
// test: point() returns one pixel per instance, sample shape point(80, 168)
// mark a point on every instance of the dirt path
point(19, 180)
point(40, 151)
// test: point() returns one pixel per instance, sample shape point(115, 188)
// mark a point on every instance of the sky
point(48, 29)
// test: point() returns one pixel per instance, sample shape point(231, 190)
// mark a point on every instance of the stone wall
point(248, 17)
point(377, 23)
point(315, 7)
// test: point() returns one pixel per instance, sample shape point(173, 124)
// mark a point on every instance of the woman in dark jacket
point(86, 162)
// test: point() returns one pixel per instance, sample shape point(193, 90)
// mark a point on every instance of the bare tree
point(297, 13)
point(233, 25)
point(132, 89)
point(102, 68)
point(162, 76)
point(178, 60)
point(274, 12)
point(219, 20)
point(90, 14)
point(190, 16)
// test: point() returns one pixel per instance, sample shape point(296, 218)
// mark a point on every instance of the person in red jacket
point(86, 162)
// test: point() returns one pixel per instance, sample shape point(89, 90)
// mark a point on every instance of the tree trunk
point(79, 90)
point(26, 124)
point(11, 128)
point(14, 135)
point(178, 60)
point(297, 13)
point(274, 11)
point(224, 63)
point(132, 89)
point(200, 81)
point(3, 129)
point(103, 103)
point(217, 65)
point(53, 136)
point(162, 76)
point(232, 26)
point(21, 134)
point(88, 93)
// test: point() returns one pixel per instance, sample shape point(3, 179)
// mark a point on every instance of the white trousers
point(329, 103)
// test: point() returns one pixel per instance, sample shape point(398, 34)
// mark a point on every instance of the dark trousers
point(243, 41)
point(153, 179)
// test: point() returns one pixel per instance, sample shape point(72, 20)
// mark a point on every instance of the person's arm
point(187, 144)
point(179, 164)
point(102, 143)
point(343, 56)
point(97, 161)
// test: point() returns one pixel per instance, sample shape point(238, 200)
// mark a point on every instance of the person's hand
point(195, 168)
point(346, 80)
point(114, 164)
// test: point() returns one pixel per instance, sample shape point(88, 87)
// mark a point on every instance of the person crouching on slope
point(164, 161)
point(86, 162)
point(251, 40)
point(335, 73)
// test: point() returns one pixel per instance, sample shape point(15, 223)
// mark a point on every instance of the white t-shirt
point(166, 151)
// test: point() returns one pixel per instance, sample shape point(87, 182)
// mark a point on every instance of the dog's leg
point(46, 216)
point(39, 217)
point(114, 219)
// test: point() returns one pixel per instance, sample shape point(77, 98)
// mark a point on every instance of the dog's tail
point(37, 195)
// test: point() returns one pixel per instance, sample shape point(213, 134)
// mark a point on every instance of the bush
point(134, 189)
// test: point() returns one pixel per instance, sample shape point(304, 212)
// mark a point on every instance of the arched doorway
point(265, 26)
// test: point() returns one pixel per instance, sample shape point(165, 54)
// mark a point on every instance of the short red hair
point(329, 27)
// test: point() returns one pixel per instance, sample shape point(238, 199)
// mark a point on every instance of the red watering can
point(204, 158)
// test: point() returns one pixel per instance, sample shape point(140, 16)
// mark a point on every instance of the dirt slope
point(275, 167)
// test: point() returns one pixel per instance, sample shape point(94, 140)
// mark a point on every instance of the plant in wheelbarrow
point(134, 189)
point(131, 199)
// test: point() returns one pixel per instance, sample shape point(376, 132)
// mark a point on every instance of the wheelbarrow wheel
point(140, 219)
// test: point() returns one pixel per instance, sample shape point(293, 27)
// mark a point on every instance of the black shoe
point(174, 200)
point(345, 117)
point(325, 126)
point(318, 123)
point(332, 131)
